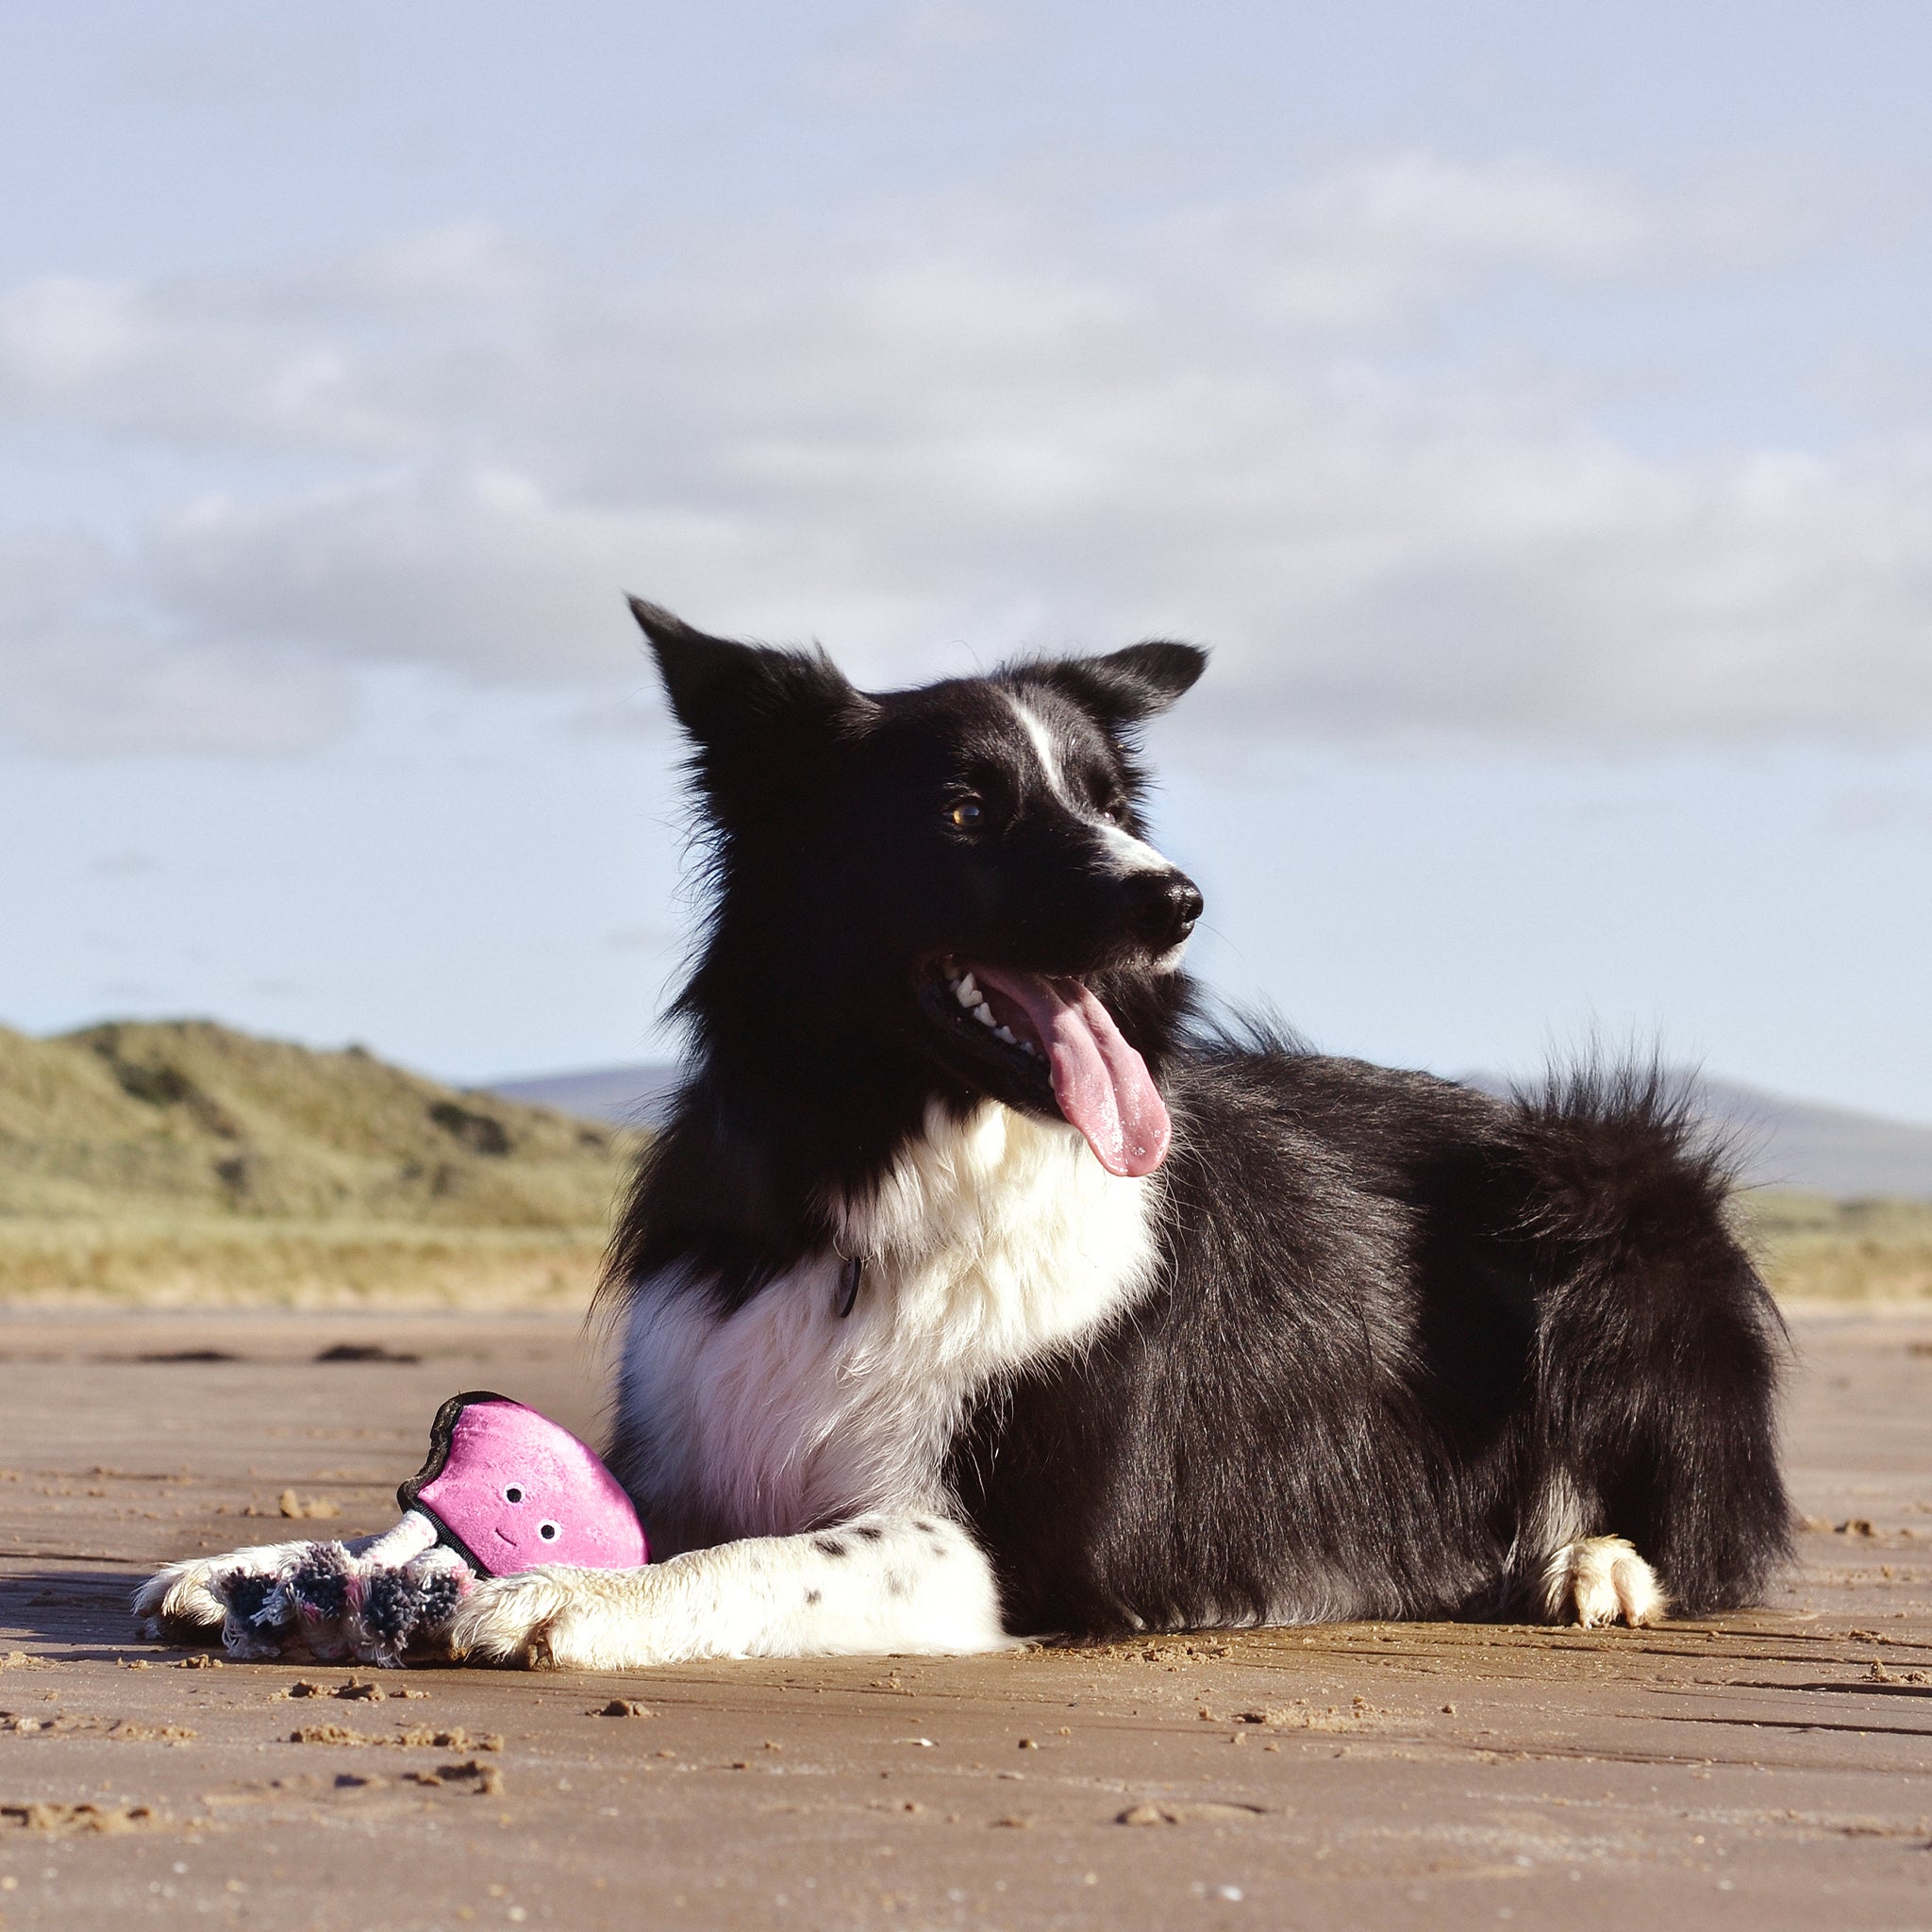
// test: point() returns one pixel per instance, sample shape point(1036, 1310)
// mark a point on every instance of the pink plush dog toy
point(504, 1490)
point(507, 1490)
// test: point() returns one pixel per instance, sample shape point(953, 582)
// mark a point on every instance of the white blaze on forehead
point(1044, 749)
point(1130, 853)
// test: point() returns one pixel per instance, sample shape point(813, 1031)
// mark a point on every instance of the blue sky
point(1531, 405)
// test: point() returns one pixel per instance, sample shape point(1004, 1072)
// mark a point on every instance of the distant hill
point(132, 1120)
point(1803, 1145)
point(1827, 1150)
point(1781, 1143)
point(623, 1096)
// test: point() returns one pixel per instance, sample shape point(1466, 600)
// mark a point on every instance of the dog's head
point(955, 877)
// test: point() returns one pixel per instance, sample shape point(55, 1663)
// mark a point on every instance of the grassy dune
point(206, 1263)
point(1813, 1248)
point(182, 1163)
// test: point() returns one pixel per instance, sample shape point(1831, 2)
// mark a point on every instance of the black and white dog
point(974, 1292)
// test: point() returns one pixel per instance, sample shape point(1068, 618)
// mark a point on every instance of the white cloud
point(88, 670)
point(974, 422)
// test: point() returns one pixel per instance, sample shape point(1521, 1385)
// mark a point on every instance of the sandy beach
point(1766, 1770)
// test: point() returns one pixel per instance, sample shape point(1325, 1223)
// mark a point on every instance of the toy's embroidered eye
point(968, 815)
point(548, 1531)
point(512, 1494)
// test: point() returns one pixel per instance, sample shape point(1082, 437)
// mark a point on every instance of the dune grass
point(189, 1262)
point(183, 1163)
point(1816, 1249)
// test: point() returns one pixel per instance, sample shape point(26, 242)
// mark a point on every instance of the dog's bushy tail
point(1659, 1349)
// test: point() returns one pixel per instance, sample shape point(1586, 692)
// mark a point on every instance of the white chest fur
point(995, 1242)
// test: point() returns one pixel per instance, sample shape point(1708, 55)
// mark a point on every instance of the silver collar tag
point(848, 1286)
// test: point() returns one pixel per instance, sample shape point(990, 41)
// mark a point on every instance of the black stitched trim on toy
point(442, 1437)
point(451, 1541)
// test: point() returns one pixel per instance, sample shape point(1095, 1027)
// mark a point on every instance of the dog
point(976, 1290)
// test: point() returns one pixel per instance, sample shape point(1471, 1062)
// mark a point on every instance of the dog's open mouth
point(1051, 1033)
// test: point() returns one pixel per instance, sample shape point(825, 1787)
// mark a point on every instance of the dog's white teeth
point(1004, 1033)
point(983, 1013)
point(966, 993)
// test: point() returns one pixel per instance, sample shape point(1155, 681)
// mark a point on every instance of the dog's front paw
point(1602, 1581)
point(508, 1620)
point(242, 1595)
point(556, 1618)
point(370, 1599)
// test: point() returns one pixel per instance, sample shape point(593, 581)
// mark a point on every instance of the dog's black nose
point(1163, 907)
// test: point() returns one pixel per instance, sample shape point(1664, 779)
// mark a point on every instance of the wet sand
point(1767, 1770)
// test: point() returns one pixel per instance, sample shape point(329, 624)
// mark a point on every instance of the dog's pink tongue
point(1101, 1083)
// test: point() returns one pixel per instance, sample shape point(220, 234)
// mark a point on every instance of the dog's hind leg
point(874, 1586)
point(1566, 1569)
point(1598, 1580)
point(1655, 1363)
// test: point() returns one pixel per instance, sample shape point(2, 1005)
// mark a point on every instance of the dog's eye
point(547, 1531)
point(968, 815)
point(512, 1494)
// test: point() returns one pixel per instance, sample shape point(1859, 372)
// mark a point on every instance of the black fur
point(1396, 1318)
point(1393, 1311)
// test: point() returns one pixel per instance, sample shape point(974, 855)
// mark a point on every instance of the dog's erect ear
point(1126, 685)
point(746, 707)
point(718, 688)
